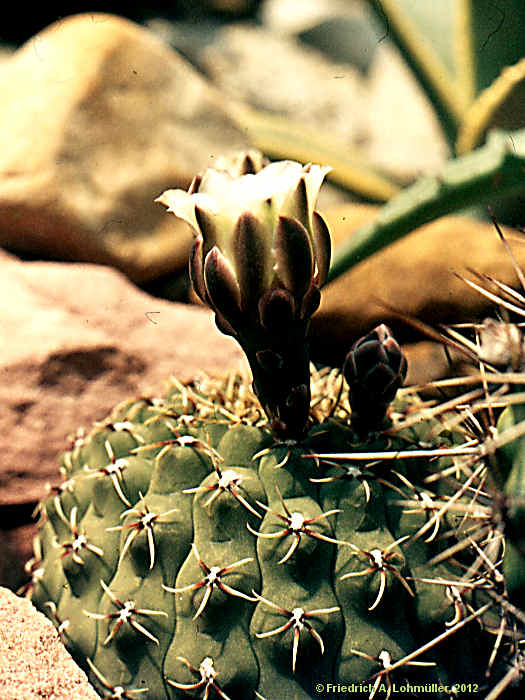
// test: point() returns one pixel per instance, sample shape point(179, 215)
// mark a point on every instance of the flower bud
point(375, 368)
point(260, 256)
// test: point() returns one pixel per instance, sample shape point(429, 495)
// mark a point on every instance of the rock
point(231, 9)
point(34, 663)
point(343, 31)
point(16, 546)
point(277, 73)
point(295, 16)
point(80, 339)
point(280, 75)
point(404, 137)
point(416, 276)
point(97, 118)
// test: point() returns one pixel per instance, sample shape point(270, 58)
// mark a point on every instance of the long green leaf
point(498, 37)
point(482, 176)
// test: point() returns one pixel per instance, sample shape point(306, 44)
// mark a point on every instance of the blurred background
point(99, 114)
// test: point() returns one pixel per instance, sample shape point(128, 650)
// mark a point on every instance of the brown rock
point(80, 338)
point(34, 663)
point(16, 547)
point(97, 118)
point(414, 275)
point(77, 339)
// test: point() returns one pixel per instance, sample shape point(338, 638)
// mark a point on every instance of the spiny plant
point(299, 536)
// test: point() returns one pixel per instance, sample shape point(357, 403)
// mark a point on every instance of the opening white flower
point(260, 256)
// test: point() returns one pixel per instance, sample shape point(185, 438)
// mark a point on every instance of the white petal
point(314, 179)
point(182, 204)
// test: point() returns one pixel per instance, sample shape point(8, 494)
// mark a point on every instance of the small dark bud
point(297, 396)
point(375, 368)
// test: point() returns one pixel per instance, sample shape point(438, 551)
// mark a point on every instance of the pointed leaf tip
point(295, 205)
point(206, 224)
point(195, 184)
point(196, 269)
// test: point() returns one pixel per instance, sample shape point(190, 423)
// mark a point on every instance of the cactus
point(200, 546)
point(187, 541)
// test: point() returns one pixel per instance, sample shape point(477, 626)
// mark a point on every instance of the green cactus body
point(190, 554)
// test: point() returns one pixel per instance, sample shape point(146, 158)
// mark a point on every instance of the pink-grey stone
point(34, 664)
point(77, 339)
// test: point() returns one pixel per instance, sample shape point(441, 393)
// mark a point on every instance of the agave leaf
point(497, 32)
point(501, 105)
point(456, 48)
point(488, 173)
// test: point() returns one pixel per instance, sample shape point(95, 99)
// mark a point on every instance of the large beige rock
point(98, 117)
point(34, 664)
